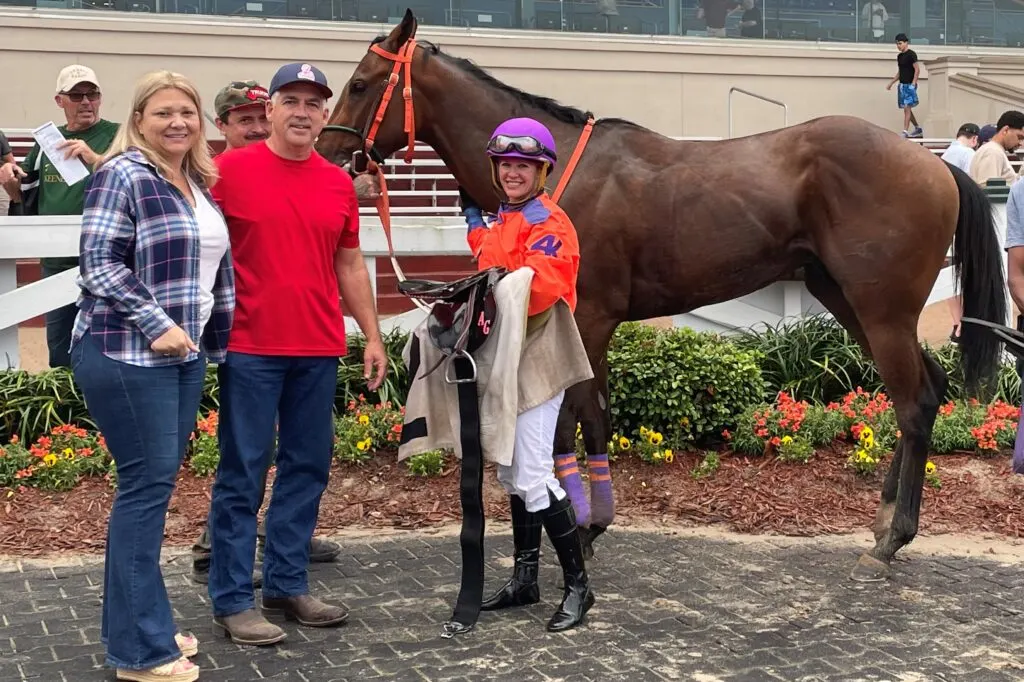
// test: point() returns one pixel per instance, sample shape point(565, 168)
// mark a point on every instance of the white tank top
point(213, 242)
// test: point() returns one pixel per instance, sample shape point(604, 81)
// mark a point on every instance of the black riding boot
point(560, 523)
point(522, 589)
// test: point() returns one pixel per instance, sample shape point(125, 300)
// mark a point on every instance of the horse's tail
point(978, 270)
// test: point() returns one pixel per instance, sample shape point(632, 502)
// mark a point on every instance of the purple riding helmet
point(522, 138)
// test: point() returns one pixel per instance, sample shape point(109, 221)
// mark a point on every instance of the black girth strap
point(471, 484)
point(460, 322)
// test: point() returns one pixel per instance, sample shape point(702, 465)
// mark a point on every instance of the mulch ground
point(748, 495)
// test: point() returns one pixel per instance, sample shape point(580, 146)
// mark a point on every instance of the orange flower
point(15, 440)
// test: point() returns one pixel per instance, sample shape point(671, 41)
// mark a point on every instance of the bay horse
point(667, 226)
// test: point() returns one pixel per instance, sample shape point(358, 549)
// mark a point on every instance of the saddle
point(461, 318)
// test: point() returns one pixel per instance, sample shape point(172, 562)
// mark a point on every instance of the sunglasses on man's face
point(93, 95)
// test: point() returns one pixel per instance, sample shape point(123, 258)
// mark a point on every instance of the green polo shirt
point(56, 197)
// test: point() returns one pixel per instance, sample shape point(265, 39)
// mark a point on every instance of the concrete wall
point(675, 85)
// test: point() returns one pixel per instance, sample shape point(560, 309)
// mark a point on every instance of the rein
point(374, 161)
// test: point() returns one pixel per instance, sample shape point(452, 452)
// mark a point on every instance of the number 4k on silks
point(547, 245)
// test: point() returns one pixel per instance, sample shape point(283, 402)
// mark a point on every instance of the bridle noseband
point(368, 134)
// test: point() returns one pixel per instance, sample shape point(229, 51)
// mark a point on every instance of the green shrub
point(707, 466)
point(682, 383)
point(32, 404)
point(816, 359)
point(427, 464)
point(351, 383)
point(813, 359)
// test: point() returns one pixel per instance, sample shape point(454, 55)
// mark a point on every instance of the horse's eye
point(357, 87)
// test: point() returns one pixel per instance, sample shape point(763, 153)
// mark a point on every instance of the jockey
point(532, 231)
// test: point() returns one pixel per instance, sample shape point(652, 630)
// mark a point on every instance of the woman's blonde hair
point(198, 160)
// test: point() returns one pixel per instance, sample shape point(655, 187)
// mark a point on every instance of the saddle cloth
point(516, 371)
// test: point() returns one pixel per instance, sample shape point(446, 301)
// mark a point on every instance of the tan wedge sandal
point(182, 670)
point(187, 643)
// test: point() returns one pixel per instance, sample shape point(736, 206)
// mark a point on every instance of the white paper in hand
point(49, 138)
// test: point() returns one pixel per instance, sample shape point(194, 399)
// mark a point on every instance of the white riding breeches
point(532, 472)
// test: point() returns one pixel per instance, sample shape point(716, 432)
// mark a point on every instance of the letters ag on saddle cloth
point(520, 365)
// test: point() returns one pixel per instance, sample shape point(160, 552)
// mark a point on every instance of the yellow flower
point(643, 431)
point(50, 459)
point(69, 453)
point(655, 438)
point(685, 421)
point(787, 439)
point(929, 468)
point(363, 445)
point(624, 443)
point(668, 456)
point(866, 432)
point(364, 420)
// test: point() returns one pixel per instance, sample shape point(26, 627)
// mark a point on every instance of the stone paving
point(668, 608)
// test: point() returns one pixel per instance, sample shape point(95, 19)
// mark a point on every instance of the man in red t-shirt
point(293, 219)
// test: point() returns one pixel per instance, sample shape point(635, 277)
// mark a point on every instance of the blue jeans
point(252, 389)
point(146, 415)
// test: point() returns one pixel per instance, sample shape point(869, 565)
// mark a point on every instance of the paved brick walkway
point(669, 608)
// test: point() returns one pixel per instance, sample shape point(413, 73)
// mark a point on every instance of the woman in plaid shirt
point(156, 304)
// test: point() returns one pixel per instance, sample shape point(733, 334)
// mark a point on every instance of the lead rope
point(384, 213)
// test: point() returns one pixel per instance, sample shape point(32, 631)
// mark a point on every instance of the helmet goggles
point(523, 144)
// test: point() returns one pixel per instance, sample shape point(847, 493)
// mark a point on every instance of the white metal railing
point(748, 93)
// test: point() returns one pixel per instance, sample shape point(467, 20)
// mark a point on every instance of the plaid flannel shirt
point(139, 267)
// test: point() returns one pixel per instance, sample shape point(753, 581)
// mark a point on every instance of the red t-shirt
point(286, 220)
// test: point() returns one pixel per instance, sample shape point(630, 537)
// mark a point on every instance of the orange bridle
point(403, 57)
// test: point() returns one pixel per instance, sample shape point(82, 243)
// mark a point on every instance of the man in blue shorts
point(908, 69)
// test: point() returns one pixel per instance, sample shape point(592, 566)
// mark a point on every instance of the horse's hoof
point(870, 570)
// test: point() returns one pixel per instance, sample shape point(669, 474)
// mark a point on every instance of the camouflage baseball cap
point(239, 94)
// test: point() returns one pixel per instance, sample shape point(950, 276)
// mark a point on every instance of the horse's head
point(366, 119)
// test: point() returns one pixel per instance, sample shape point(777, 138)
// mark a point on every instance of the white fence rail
point(50, 236)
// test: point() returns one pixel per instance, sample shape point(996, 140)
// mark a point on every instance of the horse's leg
point(916, 394)
point(588, 402)
point(821, 285)
point(825, 289)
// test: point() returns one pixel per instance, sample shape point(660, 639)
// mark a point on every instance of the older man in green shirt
point(87, 138)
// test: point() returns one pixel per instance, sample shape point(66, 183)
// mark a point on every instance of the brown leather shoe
point(249, 627)
point(306, 610)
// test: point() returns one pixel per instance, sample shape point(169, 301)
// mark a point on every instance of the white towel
point(514, 374)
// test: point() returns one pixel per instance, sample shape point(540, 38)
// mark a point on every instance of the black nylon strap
point(471, 591)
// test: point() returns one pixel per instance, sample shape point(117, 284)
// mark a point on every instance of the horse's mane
point(561, 112)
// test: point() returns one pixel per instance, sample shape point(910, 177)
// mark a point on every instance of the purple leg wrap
point(600, 491)
point(568, 474)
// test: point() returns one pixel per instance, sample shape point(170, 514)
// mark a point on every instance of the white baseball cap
point(70, 76)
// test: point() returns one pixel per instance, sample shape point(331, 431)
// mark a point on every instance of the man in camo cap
point(242, 113)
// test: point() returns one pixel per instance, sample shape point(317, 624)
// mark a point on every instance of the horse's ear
point(404, 31)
